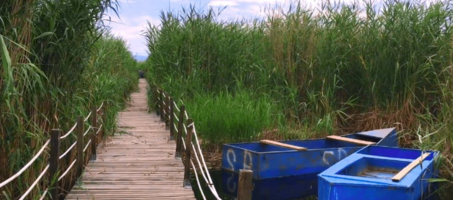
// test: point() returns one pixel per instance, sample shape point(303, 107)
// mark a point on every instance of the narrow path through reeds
point(138, 162)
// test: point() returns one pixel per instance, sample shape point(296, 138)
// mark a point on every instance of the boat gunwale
point(332, 172)
point(234, 145)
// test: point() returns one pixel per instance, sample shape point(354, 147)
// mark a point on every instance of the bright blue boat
point(377, 172)
point(272, 159)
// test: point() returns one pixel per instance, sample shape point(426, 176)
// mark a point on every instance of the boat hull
point(291, 187)
point(369, 172)
point(269, 161)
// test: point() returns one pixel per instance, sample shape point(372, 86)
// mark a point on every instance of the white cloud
point(131, 30)
point(126, 1)
point(222, 3)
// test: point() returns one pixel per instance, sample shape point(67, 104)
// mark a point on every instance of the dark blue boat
point(377, 172)
point(290, 187)
point(301, 157)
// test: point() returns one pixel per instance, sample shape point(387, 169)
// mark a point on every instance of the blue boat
point(377, 172)
point(287, 188)
point(272, 159)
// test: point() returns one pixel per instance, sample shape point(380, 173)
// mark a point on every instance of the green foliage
point(230, 117)
point(56, 62)
point(344, 67)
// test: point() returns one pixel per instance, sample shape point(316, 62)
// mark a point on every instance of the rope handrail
point(34, 183)
point(174, 126)
point(87, 131)
point(210, 184)
point(68, 150)
point(54, 157)
point(87, 145)
point(214, 192)
point(26, 166)
point(69, 132)
point(198, 181)
point(196, 175)
point(176, 117)
point(201, 152)
point(100, 107)
point(99, 129)
point(173, 117)
point(67, 170)
point(75, 125)
point(185, 114)
point(185, 130)
point(199, 164)
point(44, 194)
point(87, 117)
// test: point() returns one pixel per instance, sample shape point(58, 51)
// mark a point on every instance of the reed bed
point(341, 68)
point(57, 60)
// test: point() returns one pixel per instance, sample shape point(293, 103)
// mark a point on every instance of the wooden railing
point(56, 174)
point(182, 128)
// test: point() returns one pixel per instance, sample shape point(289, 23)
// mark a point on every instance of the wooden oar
point(271, 142)
point(409, 167)
point(351, 140)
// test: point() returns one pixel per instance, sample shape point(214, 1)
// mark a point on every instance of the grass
point(342, 68)
point(226, 117)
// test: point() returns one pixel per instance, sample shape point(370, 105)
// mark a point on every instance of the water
point(291, 188)
point(216, 176)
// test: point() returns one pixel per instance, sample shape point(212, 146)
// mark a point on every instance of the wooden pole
point(80, 145)
point(180, 130)
point(186, 183)
point(245, 185)
point(94, 126)
point(53, 162)
point(172, 119)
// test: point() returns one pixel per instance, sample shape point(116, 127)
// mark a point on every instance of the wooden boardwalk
point(137, 163)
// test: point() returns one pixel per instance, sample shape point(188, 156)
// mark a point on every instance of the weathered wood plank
point(350, 140)
point(409, 167)
point(289, 146)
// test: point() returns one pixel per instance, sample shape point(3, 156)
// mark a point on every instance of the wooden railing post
point(180, 130)
point(245, 185)
point(53, 163)
point(186, 183)
point(172, 118)
point(80, 145)
point(94, 126)
point(161, 101)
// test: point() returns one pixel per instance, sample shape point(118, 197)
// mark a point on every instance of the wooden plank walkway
point(137, 163)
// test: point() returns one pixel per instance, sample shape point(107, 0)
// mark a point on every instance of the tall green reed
point(56, 62)
point(342, 68)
